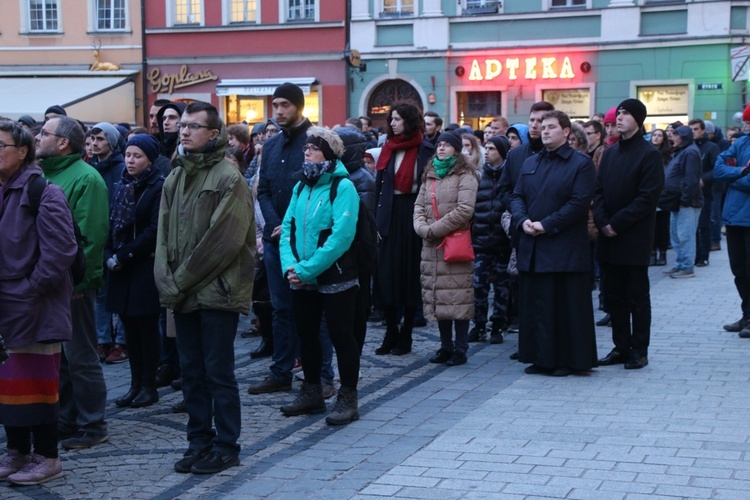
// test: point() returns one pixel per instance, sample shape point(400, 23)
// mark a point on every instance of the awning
point(91, 99)
point(260, 86)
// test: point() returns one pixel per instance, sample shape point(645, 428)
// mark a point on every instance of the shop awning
point(260, 86)
point(91, 99)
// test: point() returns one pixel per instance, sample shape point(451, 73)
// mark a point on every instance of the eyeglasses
point(271, 131)
point(591, 133)
point(44, 133)
point(192, 126)
point(3, 146)
point(310, 148)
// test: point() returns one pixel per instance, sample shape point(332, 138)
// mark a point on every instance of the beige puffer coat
point(447, 288)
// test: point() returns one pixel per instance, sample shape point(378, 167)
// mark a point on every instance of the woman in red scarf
point(398, 176)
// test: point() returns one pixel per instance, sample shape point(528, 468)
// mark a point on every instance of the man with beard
point(168, 117)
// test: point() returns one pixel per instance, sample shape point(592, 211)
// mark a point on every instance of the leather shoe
point(458, 358)
point(737, 325)
point(745, 333)
point(514, 356)
point(147, 397)
point(166, 374)
point(441, 356)
point(264, 350)
point(128, 397)
point(605, 321)
point(613, 358)
point(535, 370)
point(636, 362)
point(560, 372)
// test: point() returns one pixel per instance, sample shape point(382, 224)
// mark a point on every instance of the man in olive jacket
point(205, 254)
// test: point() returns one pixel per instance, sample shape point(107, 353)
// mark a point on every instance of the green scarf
point(442, 167)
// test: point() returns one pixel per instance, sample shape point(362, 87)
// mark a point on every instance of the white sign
point(740, 63)
point(665, 100)
point(576, 103)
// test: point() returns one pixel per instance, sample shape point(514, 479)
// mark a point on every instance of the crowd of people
point(190, 223)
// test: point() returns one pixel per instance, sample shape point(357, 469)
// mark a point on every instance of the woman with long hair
point(661, 228)
point(472, 149)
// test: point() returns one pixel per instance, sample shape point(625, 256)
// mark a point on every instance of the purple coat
point(35, 258)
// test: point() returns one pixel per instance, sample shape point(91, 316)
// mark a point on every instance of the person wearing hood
point(683, 197)
point(610, 127)
point(517, 134)
point(719, 188)
point(205, 252)
point(322, 273)
point(169, 134)
point(709, 153)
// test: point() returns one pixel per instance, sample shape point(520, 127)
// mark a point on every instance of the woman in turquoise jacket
point(316, 236)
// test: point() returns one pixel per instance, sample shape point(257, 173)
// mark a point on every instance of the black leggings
point(45, 439)
point(308, 309)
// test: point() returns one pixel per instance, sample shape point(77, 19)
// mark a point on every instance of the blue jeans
point(106, 322)
point(682, 230)
point(205, 342)
point(285, 340)
point(83, 392)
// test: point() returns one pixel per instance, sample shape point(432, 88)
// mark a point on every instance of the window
point(187, 12)
point(243, 11)
point(43, 15)
point(472, 7)
point(111, 15)
point(300, 10)
point(398, 8)
point(567, 3)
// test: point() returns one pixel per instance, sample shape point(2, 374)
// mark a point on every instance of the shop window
point(398, 8)
point(386, 95)
point(44, 16)
point(477, 109)
point(111, 15)
point(665, 104)
point(661, 2)
point(476, 7)
point(567, 4)
point(242, 11)
point(188, 12)
point(299, 11)
point(576, 103)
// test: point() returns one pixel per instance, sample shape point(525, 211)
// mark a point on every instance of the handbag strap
point(434, 203)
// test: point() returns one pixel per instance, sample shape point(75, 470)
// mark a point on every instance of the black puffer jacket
point(487, 234)
point(355, 145)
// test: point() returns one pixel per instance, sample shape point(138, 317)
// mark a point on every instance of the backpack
point(78, 267)
point(365, 244)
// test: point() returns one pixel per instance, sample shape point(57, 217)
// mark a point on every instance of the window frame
point(28, 18)
point(227, 13)
point(94, 18)
point(563, 8)
point(400, 14)
point(285, 6)
point(172, 14)
point(496, 7)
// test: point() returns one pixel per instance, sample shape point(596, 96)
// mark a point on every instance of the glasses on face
point(591, 133)
point(192, 126)
point(309, 148)
point(3, 146)
point(44, 133)
point(271, 131)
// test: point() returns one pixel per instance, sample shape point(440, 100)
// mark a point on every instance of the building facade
point(470, 60)
point(234, 53)
point(85, 55)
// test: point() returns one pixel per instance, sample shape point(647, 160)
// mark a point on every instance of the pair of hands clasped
point(291, 275)
point(533, 228)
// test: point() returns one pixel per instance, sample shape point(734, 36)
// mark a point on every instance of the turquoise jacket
point(315, 235)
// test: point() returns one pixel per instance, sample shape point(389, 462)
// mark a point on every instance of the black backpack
point(365, 244)
point(78, 267)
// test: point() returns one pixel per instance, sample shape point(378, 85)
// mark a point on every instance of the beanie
point(27, 120)
point(58, 110)
point(746, 114)
point(291, 93)
point(110, 132)
point(611, 116)
point(323, 146)
point(636, 109)
point(710, 127)
point(501, 143)
point(452, 139)
point(685, 133)
point(147, 143)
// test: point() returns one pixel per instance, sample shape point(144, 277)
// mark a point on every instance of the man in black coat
point(630, 180)
point(709, 154)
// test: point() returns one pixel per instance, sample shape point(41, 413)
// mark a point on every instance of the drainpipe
point(346, 51)
point(144, 85)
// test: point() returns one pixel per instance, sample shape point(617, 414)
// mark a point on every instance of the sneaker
point(297, 366)
point(185, 464)
point(496, 336)
point(513, 328)
point(118, 354)
point(38, 470)
point(670, 272)
point(214, 462)
point(328, 390)
point(269, 385)
point(441, 356)
point(701, 263)
point(478, 334)
point(12, 462)
point(682, 274)
point(715, 247)
point(84, 439)
point(102, 351)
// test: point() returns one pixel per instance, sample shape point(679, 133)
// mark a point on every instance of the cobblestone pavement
point(676, 429)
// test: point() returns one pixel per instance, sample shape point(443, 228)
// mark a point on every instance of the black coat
point(355, 145)
point(709, 154)
point(487, 234)
point(630, 180)
point(131, 291)
point(555, 189)
point(512, 168)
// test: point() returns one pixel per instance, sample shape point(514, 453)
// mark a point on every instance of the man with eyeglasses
point(205, 255)
point(83, 393)
point(594, 131)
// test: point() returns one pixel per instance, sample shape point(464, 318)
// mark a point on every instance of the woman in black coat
point(129, 256)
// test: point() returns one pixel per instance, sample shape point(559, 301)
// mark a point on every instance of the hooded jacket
point(487, 234)
point(169, 140)
point(205, 244)
point(683, 177)
point(729, 169)
point(355, 146)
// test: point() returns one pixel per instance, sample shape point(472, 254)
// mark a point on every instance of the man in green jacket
point(83, 393)
point(205, 253)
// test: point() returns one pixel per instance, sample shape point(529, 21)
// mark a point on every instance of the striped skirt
point(29, 386)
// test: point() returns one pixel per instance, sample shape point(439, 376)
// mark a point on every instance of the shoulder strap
point(434, 203)
point(334, 188)
point(36, 187)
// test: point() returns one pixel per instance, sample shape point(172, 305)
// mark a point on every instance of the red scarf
point(404, 179)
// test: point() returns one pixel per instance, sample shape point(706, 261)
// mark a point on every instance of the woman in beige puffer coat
point(447, 287)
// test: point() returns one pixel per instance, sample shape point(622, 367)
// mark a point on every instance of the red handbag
point(456, 245)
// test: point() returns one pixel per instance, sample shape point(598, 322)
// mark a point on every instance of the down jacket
point(447, 288)
point(487, 233)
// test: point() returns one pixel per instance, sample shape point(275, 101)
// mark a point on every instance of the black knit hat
point(452, 139)
point(58, 110)
point(501, 143)
point(292, 93)
point(636, 109)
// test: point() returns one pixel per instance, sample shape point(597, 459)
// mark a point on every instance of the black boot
point(403, 344)
point(146, 397)
point(652, 260)
point(389, 341)
point(129, 396)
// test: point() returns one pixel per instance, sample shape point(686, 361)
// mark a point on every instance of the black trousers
point(738, 248)
point(661, 231)
point(308, 309)
point(628, 294)
point(144, 343)
point(45, 439)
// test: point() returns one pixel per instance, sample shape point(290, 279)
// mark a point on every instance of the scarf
point(442, 167)
point(404, 179)
point(313, 170)
point(122, 217)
